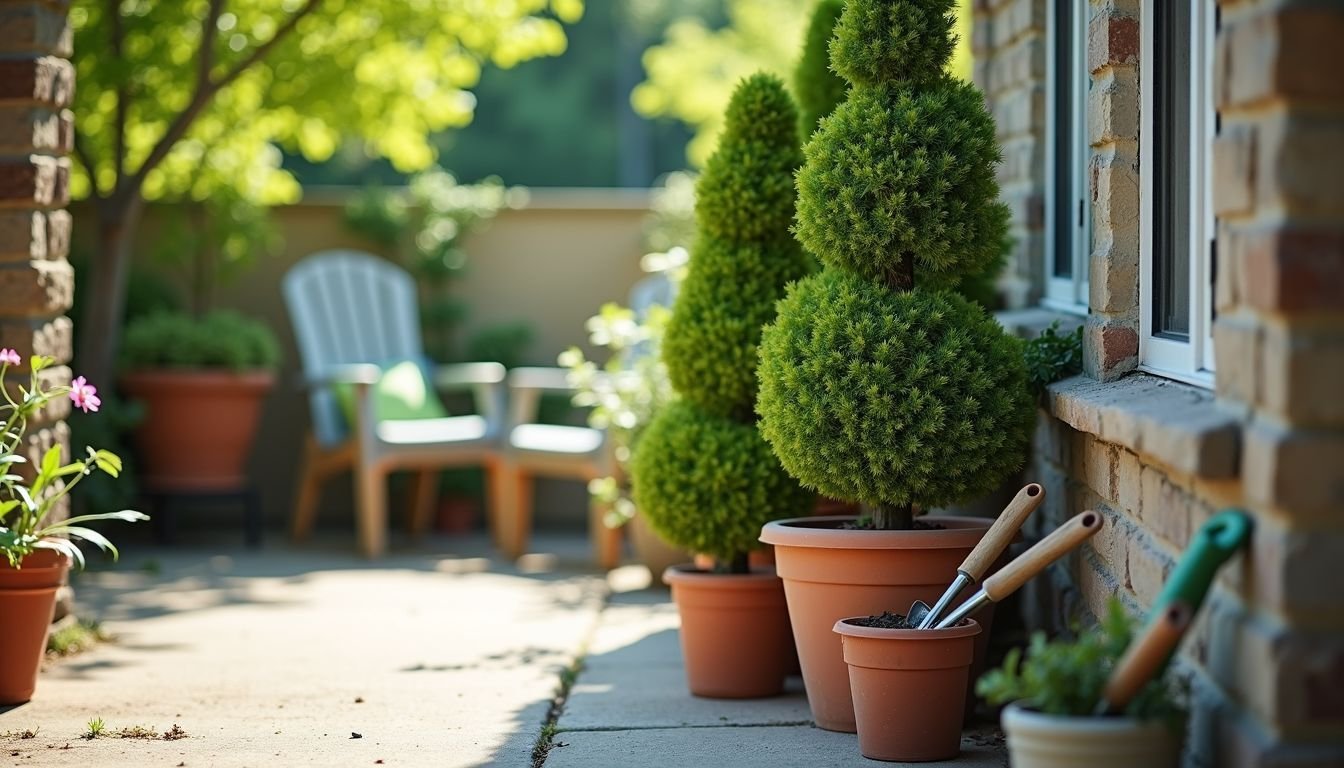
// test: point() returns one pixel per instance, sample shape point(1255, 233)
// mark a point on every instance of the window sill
point(1179, 425)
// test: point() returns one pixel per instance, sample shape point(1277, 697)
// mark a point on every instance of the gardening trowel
point(1144, 658)
point(1028, 564)
point(982, 557)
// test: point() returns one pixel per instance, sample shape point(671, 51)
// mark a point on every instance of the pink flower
point(84, 395)
point(10, 357)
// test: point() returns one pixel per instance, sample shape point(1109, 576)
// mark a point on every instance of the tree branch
point(118, 36)
point(206, 90)
point(86, 160)
point(209, 31)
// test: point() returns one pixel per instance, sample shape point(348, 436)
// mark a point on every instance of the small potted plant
point(878, 383)
point(36, 545)
point(703, 476)
point(1053, 717)
point(202, 382)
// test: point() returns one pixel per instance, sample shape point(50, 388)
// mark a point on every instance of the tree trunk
point(893, 517)
point(105, 293)
point(738, 563)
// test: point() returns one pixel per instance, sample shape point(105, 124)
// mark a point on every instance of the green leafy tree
point(819, 90)
point(877, 384)
point(195, 100)
point(703, 475)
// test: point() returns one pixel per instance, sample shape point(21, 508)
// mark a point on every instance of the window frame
point(1067, 294)
point(1188, 361)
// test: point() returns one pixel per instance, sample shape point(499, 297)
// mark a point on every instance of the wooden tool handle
point(1144, 655)
point(1046, 551)
point(1003, 530)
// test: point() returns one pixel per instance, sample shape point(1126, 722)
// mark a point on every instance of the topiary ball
point(914, 397)
point(710, 344)
point(895, 174)
point(818, 88)
point(708, 484)
point(889, 41)
point(746, 190)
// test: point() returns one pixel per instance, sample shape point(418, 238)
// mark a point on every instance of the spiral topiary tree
point(703, 476)
point(819, 90)
point(877, 383)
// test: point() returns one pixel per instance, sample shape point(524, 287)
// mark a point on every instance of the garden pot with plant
point(878, 384)
point(35, 544)
point(202, 382)
point(703, 476)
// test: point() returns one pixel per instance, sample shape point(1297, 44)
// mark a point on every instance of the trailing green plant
point(1052, 356)
point(877, 383)
point(503, 343)
point(424, 227)
point(1067, 677)
point(819, 90)
point(220, 339)
point(703, 476)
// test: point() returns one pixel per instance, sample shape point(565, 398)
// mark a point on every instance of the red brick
point(25, 128)
point(49, 338)
point(1112, 40)
point(1293, 270)
point(59, 224)
point(47, 79)
point(34, 27)
point(1286, 53)
point(35, 289)
point(23, 235)
point(1234, 163)
point(1110, 349)
point(36, 181)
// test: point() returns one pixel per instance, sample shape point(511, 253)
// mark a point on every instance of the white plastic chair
point(352, 313)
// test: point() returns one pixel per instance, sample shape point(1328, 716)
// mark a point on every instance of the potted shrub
point(1053, 692)
point(36, 546)
point(202, 381)
point(877, 383)
point(703, 476)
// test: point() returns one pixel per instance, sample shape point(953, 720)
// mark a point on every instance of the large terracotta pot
point(909, 688)
point(830, 574)
point(27, 604)
point(734, 631)
point(198, 427)
point(1037, 740)
point(650, 549)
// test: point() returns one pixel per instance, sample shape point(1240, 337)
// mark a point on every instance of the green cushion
point(402, 393)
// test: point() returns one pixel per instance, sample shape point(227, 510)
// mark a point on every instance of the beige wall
point(551, 264)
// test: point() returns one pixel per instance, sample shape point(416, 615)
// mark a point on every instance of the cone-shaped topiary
point(885, 397)
point(709, 484)
point(703, 476)
point(875, 384)
point(819, 90)
point(744, 255)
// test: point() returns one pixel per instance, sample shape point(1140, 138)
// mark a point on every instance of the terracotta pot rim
point(814, 532)
point(1026, 718)
point(689, 574)
point(59, 562)
point(968, 628)
point(198, 377)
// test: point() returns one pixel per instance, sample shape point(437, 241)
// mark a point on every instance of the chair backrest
point(349, 307)
point(657, 288)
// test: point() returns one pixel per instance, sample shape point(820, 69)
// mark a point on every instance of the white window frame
point(1067, 294)
point(1189, 361)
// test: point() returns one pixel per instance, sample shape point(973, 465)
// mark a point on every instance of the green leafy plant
point(1067, 677)
point(877, 384)
point(96, 727)
point(76, 638)
point(818, 89)
point(703, 476)
point(1052, 356)
point(504, 343)
point(29, 495)
point(220, 339)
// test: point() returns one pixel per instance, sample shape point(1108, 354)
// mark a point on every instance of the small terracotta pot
point(198, 428)
point(1037, 740)
point(909, 688)
point(830, 574)
point(27, 603)
point(734, 631)
point(650, 549)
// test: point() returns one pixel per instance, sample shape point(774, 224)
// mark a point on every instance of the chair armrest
point(540, 379)
point(468, 375)
point(354, 373)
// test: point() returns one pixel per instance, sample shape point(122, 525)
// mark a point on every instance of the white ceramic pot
point(1052, 741)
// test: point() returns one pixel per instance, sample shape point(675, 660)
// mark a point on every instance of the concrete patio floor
point(440, 656)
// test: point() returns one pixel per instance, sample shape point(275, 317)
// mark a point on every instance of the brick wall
point(37, 83)
point(1008, 46)
point(1157, 458)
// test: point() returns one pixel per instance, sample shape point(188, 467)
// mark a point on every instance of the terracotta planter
point(198, 428)
point(27, 603)
point(830, 574)
point(1036, 740)
point(456, 515)
point(909, 688)
point(734, 631)
point(650, 549)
